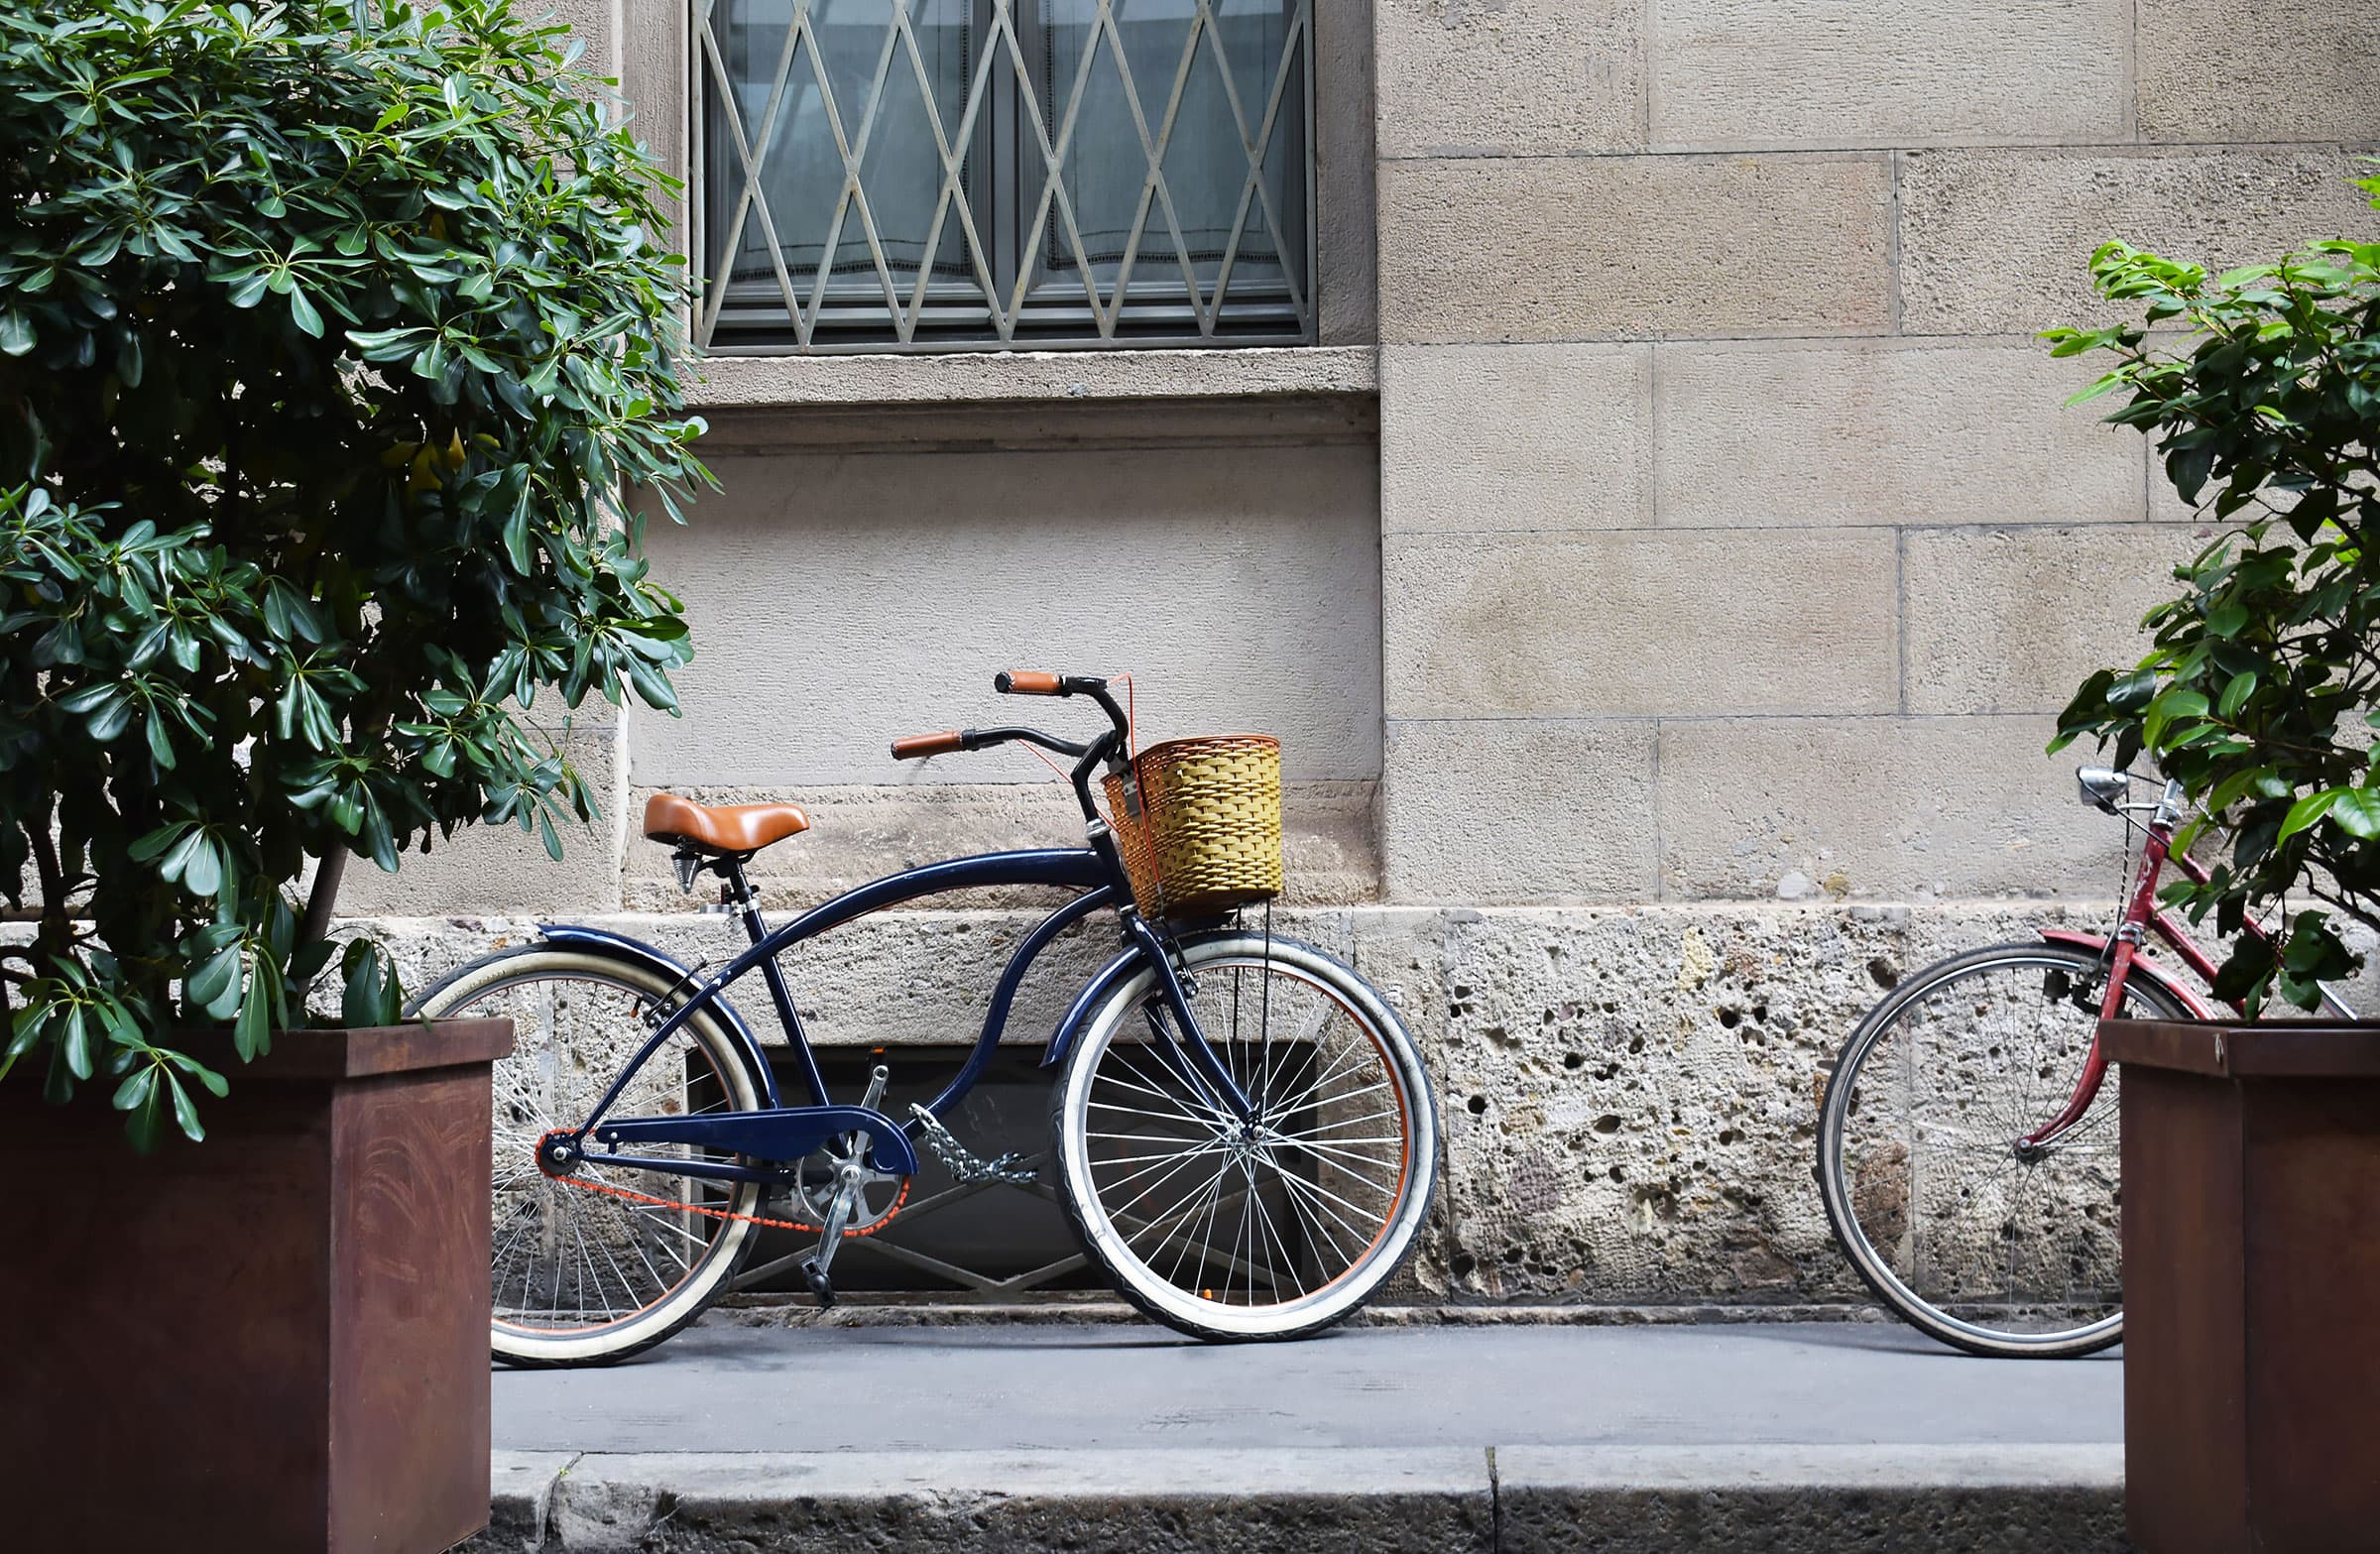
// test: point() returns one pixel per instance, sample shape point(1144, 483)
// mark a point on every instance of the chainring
point(881, 1194)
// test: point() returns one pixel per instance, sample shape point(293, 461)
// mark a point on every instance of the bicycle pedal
point(820, 1286)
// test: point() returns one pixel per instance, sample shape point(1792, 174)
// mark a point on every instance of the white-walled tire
point(1270, 1231)
point(578, 1275)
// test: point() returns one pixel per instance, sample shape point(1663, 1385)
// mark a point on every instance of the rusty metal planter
point(2251, 1168)
point(275, 1340)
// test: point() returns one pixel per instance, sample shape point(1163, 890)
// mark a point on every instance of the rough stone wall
point(1628, 1093)
point(1737, 550)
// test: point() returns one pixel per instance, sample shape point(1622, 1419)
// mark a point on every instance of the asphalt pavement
point(721, 1388)
point(1714, 1439)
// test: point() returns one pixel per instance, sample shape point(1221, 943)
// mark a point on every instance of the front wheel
point(1970, 1236)
point(1274, 1227)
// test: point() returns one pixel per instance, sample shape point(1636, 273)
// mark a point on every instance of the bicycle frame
point(780, 1134)
point(2143, 915)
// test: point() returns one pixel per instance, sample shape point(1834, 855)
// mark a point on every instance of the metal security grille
point(938, 175)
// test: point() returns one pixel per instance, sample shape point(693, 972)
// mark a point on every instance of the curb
point(1512, 1500)
point(776, 1309)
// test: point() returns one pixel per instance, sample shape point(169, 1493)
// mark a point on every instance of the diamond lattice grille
point(948, 174)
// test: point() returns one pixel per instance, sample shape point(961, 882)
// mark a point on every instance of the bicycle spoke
point(1279, 1245)
point(1317, 1228)
point(1336, 1159)
point(1212, 1202)
point(1367, 1116)
point(1145, 1089)
point(1307, 1189)
point(1114, 1184)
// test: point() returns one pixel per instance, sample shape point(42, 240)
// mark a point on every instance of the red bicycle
point(1967, 1144)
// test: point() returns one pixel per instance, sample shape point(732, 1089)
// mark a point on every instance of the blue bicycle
point(1243, 1135)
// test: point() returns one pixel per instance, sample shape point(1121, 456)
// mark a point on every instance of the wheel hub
point(559, 1155)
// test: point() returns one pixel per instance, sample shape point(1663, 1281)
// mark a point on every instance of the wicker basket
point(1202, 831)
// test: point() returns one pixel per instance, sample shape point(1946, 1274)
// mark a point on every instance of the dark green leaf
point(252, 1032)
point(135, 1088)
point(2358, 813)
point(2305, 811)
point(185, 1116)
point(213, 987)
point(303, 313)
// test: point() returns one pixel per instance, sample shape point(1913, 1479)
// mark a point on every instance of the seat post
point(737, 894)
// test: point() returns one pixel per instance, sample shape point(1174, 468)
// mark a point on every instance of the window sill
point(1012, 377)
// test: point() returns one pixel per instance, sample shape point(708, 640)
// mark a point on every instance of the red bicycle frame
point(2142, 916)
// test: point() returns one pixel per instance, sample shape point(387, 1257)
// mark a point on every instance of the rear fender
point(619, 946)
point(2142, 967)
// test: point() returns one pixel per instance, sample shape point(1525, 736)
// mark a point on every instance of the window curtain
point(801, 166)
point(1204, 158)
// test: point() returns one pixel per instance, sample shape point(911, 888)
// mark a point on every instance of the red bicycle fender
point(2142, 966)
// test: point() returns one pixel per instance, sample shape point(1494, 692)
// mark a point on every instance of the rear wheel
point(600, 1263)
point(1269, 1230)
point(1987, 1244)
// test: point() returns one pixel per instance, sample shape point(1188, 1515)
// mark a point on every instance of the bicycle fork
point(1193, 1038)
point(2124, 948)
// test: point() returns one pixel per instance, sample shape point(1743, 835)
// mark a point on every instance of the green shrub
point(328, 345)
point(2260, 692)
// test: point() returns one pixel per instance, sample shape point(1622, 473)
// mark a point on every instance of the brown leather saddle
point(720, 828)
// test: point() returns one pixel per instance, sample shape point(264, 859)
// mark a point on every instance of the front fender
point(1114, 974)
point(1095, 992)
point(620, 946)
point(2142, 967)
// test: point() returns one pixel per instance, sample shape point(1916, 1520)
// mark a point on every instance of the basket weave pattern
point(1209, 832)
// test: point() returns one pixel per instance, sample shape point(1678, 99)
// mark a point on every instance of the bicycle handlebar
point(919, 746)
point(1112, 747)
point(1109, 747)
point(916, 747)
point(1040, 683)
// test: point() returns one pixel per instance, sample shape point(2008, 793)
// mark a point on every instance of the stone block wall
point(1735, 542)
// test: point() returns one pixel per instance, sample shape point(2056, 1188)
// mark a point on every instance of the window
point(952, 173)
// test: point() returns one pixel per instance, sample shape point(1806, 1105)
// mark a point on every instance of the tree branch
point(54, 935)
point(314, 926)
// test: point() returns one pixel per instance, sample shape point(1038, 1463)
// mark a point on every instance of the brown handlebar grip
point(1028, 683)
point(919, 745)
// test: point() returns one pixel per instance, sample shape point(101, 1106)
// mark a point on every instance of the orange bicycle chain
point(870, 1228)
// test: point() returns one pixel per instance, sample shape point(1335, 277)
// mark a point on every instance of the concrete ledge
point(1785, 1499)
point(1612, 1497)
point(982, 377)
point(521, 1497)
point(987, 1502)
point(1076, 1308)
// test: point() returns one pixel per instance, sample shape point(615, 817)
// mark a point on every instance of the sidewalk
point(1715, 1438)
